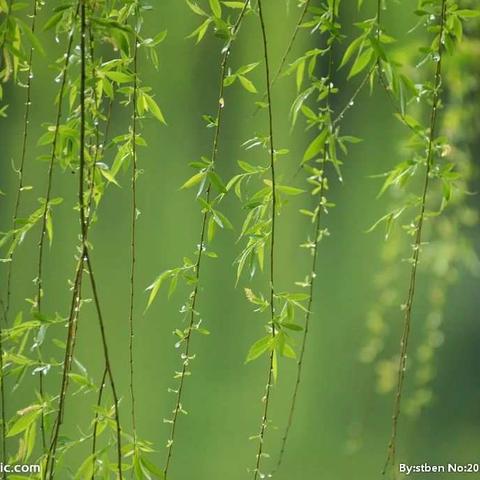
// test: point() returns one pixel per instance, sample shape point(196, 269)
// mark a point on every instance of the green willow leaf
point(361, 62)
point(316, 146)
point(26, 418)
point(154, 109)
point(155, 287)
point(216, 8)
point(119, 77)
point(247, 84)
point(195, 180)
point(259, 348)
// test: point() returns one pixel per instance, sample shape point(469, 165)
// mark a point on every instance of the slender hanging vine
point(447, 187)
point(437, 56)
point(207, 178)
point(133, 224)
point(326, 23)
point(20, 188)
point(23, 155)
point(85, 200)
point(271, 360)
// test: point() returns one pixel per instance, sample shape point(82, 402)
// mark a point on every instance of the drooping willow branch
point(77, 284)
point(134, 213)
point(289, 46)
point(95, 422)
point(108, 365)
point(45, 213)
point(266, 398)
point(291, 42)
point(98, 153)
point(20, 173)
point(376, 66)
point(203, 233)
point(84, 260)
point(391, 455)
point(53, 156)
point(317, 230)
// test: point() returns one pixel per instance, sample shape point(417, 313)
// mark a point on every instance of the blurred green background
point(342, 424)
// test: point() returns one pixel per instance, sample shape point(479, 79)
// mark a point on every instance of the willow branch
point(95, 423)
point(20, 171)
point(84, 227)
point(266, 398)
point(74, 307)
point(194, 296)
point(289, 47)
point(356, 93)
point(53, 156)
point(407, 321)
point(316, 248)
point(133, 249)
point(43, 232)
point(84, 230)
point(108, 365)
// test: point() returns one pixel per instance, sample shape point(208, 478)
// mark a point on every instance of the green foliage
point(101, 105)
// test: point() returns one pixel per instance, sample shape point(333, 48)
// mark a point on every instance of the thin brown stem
point(356, 93)
point(20, 173)
point(99, 147)
point(84, 226)
point(288, 49)
point(77, 286)
point(53, 156)
point(72, 321)
point(407, 321)
point(266, 398)
point(286, 54)
point(133, 249)
point(316, 248)
point(108, 365)
point(43, 230)
point(194, 296)
point(21, 168)
point(95, 423)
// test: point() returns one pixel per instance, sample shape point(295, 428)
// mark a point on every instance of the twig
point(20, 171)
point(95, 423)
point(266, 398)
point(317, 232)
point(133, 229)
point(76, 296)
point(99, 147)
point(194, 297)
point(290, 44)
point(84, 227)
point(43, 231)
point(108, 366)
point(391, 455)
point(356, 93)
point(287, 50)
